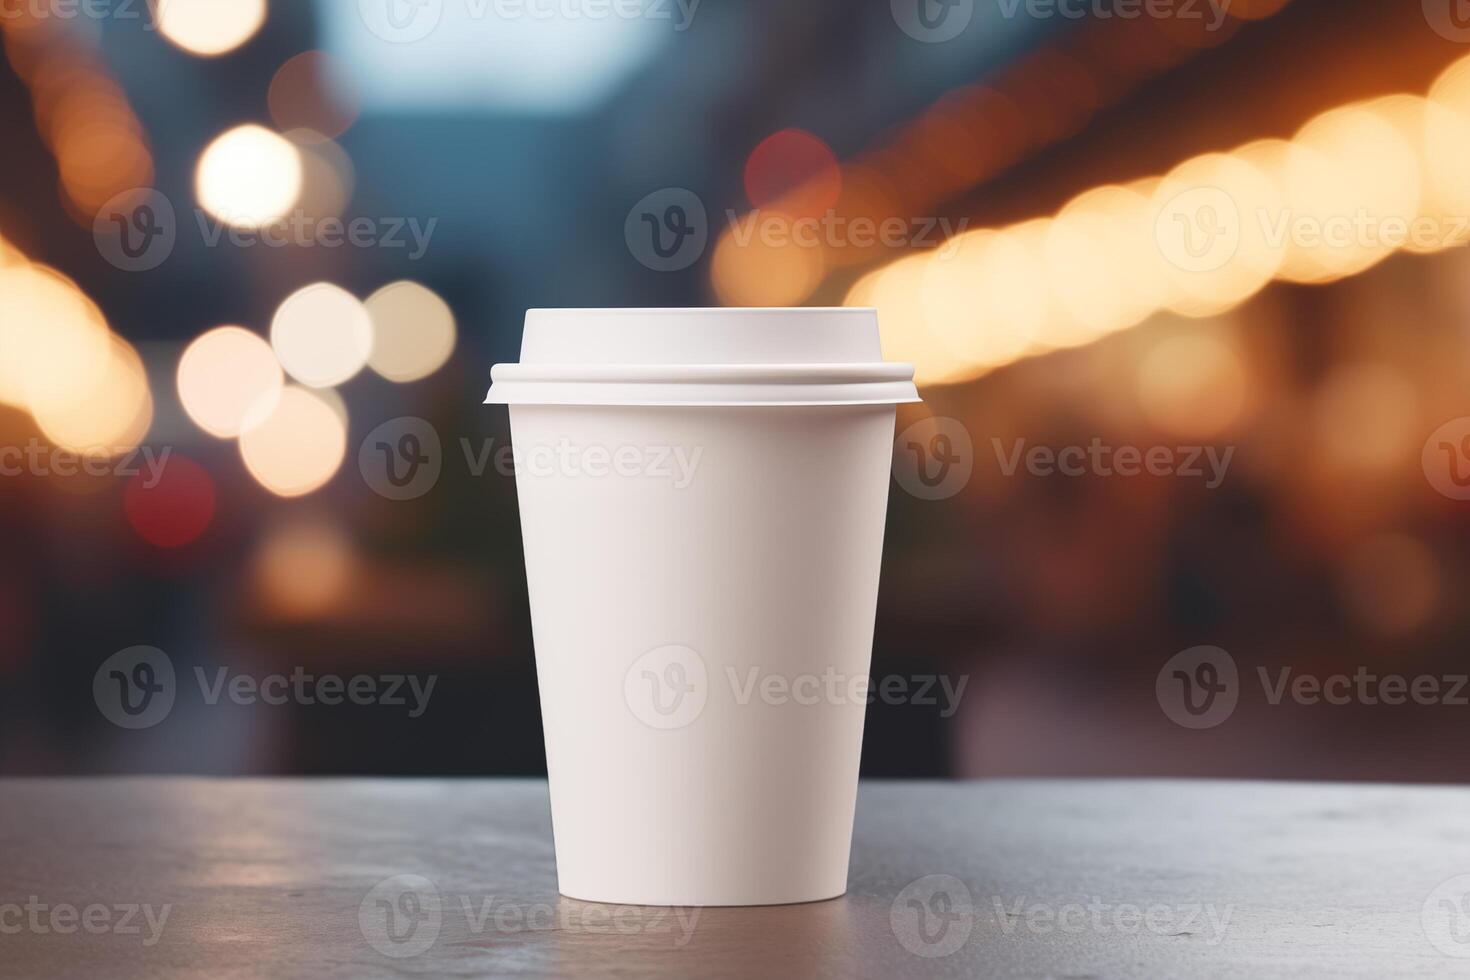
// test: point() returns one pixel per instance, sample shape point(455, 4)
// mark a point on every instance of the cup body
point(703, 582)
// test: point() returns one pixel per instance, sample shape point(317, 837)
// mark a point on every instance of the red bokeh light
point(176, 509)
point(795, 168)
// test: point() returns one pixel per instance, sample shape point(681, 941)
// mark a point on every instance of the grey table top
point(382, 878)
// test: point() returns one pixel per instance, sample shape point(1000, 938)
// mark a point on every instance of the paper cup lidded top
point(716, 356)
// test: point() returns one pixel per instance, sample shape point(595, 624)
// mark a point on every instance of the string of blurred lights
point(968, 136)
point(83, 116)
point(1355, 184)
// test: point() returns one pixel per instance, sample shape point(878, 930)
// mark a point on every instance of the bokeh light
point(782, 272)
point(1192, 385)
point(985, 303)
point(322, 335)
point(333, 399)
point(110, 415)
point(413, 331)
point(1357, 183)
point(1100, 265)
point(249, 177)
point(54, 344)
point(173, 507)
point(209, 27)
point(892, 291)
point(1210, 184)
point(314, 91)
point(10, 255)
point(304, 568)
point(327, 178)
point(294, 446)
point(1351, 171)
point(1367, 416)
point(794, 172)
point(223, 374)
point(1391, 583)
point(86, 121)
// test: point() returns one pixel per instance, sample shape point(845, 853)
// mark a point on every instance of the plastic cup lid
point(717, 356)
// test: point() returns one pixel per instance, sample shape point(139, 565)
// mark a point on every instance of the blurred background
point(240, 240)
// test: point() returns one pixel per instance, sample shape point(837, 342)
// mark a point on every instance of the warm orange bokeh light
point(313, 91)
point(210, 27)
point(293, 444)
point(249, 177)
point(223, 374)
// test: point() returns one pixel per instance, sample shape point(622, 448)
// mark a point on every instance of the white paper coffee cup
point(702, 498)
